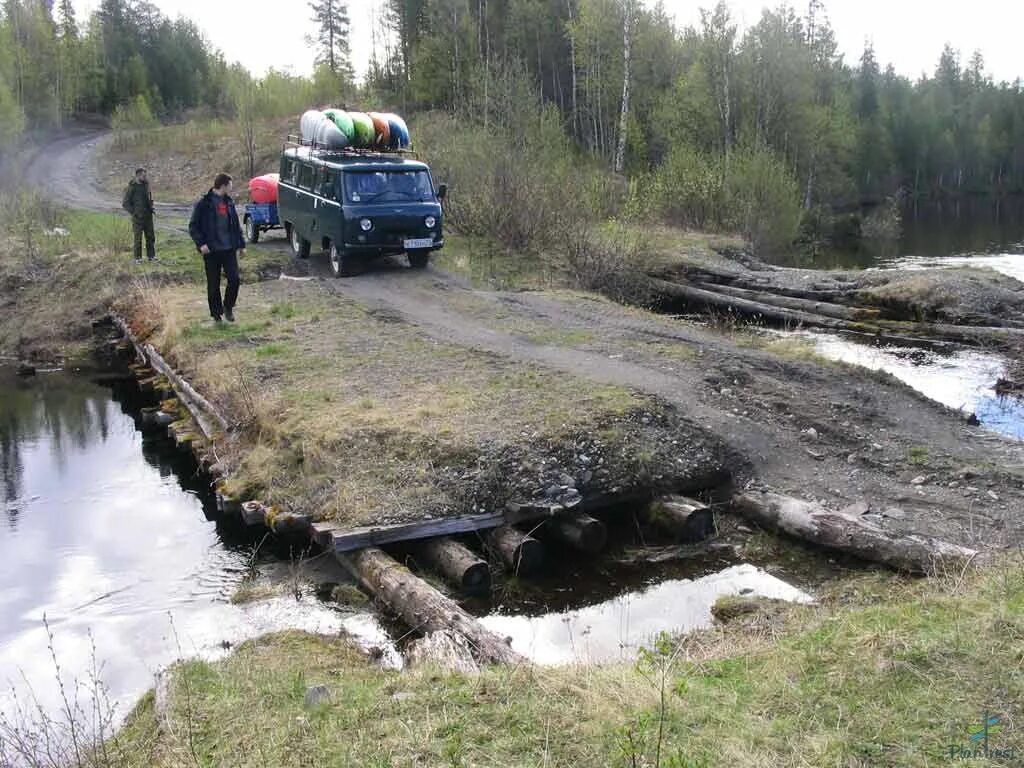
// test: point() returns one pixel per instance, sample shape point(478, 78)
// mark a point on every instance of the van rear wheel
point(418, 259)
point(300, 247)
point(341, 262)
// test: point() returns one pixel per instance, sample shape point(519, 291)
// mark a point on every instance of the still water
point(107, 532)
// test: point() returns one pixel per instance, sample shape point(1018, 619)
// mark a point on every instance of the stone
point(317, 695)
point(896, 513)
point(552, 491)
point(851, 459)
point(567, 480)
point(856, 509)
point(919, 480)
point(811, 432)
point(993, 496)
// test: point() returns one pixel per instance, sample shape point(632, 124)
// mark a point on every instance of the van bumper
point(369, 249)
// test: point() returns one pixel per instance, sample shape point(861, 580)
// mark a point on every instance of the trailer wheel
point(252, 232)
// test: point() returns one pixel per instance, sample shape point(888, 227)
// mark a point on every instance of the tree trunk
point(967, 334)
point(817, 307)
point(572, 65)
point(522, 554)
point(851, 534)
point(627, 39)
point(457, 564)
point(421, 606)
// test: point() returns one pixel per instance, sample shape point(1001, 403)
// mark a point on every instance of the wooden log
point(850, 533)
point(817, 307)
point(825, 290)
point(421, 606)
point(890, 329)
point(580, 530)
point(686, 519)
point(522, 554)
point(457, 564)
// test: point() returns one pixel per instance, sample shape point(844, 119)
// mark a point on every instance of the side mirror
point(442, 191)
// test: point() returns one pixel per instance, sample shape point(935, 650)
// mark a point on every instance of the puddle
point(615, 629)
point(963, 379)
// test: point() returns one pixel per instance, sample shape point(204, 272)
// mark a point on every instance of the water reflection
point(107, 534)
point(963, 379)
point(614, 630)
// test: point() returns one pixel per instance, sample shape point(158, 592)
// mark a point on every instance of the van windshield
point(384, 186)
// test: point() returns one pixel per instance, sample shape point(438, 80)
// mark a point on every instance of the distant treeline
point(846, 131)
point(706, 126)
point(129, 62)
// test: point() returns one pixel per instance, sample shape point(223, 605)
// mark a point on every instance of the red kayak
point(263, 189)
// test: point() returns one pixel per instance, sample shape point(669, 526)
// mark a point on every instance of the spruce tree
point(331, 18)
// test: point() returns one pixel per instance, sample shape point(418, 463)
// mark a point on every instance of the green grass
point(884, 672)
point(917, 455)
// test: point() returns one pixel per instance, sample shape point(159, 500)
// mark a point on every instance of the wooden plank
point(346, 540)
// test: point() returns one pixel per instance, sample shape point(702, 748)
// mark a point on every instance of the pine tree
point(331, 18)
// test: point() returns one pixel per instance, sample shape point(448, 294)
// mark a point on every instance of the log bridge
point(195, 424)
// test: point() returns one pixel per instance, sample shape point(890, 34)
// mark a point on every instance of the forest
point(705, 126)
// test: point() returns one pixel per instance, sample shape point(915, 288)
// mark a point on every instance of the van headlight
point(365, 224)
point(430, 221)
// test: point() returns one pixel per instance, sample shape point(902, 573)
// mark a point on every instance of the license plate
point(419, 242)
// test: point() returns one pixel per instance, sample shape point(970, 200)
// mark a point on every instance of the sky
point(908, 33)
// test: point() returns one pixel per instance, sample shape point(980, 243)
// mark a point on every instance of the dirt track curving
point(830, 433)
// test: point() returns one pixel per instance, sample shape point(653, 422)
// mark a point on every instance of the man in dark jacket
point(218, 236)
point(138, 201)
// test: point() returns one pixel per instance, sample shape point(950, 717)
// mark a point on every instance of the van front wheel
point(418, 259)
point(341, 262)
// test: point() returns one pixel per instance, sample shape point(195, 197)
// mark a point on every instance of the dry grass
point(353, 415)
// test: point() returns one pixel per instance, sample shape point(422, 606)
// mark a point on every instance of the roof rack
point(297, 142)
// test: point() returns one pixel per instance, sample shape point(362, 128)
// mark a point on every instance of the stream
point(108, 533)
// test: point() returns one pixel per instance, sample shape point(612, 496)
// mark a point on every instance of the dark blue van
point(357, 206)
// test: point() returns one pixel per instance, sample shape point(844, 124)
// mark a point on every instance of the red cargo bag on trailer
point(263, 189)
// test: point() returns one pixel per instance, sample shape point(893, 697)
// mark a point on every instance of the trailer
point(259, 218)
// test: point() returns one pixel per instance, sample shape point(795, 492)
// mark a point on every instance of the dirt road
point(840, 435)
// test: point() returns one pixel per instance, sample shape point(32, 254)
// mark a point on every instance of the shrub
point(523, 190)
point(612, 262)
point(762, 199)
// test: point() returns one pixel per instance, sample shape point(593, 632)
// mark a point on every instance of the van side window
point(288, 170)
point(328, 184)
point(306, 176)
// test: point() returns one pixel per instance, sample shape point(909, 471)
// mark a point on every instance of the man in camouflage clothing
point(138, 201)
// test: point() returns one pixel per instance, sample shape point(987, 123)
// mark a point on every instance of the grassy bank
point(883, 672)
point(61, 268)
point(354, 415)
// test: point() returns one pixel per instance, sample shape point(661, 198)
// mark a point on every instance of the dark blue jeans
point(215, 262)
